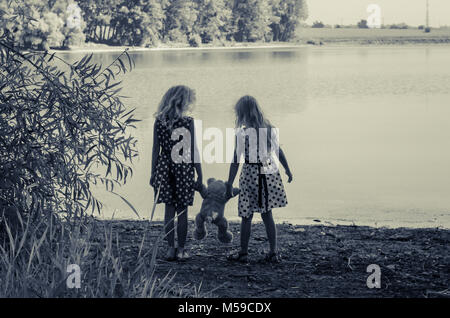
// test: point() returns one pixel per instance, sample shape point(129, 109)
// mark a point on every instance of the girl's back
point(174, 179)
point(164, 132)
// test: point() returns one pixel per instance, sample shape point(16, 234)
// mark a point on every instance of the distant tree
point(286, 17)
point(363, 24)
point(138, 22)
point(30, 28)
point(213, 20)
point(74, 24)
point(40, 24)
point(153, 25)
point(46, 32)
point(318, 24)
point(98, 15)
point(181, 16)
point(251, 19)
point(400, 26)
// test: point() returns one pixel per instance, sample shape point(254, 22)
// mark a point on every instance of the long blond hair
point(174, 104)
point(250, 115)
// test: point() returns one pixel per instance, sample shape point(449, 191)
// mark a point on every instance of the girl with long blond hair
point(172, 179)
point(261, 189)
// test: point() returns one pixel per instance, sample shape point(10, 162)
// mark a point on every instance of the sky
point(411, 12)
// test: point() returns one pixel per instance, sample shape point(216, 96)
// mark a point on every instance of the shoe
point(240, 257)
point(171, 254)
point(272, 258)
point(182, 255)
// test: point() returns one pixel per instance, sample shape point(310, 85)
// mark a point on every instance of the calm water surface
point(366, 130)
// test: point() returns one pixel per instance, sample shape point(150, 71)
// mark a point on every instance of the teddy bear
point(214, 200)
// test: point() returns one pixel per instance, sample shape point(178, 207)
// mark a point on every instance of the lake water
point(366, 130)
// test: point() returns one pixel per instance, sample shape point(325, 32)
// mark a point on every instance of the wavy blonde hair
point(174, 104)
point(250, 115)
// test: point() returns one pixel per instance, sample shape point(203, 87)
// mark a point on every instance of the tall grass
point(34, 262)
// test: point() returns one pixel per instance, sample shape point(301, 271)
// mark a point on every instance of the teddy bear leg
point(224, 235)
point(200, 227)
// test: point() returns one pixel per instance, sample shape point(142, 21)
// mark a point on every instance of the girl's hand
point(199, 183)
point(289, 174)
point(229, 192)
point(152, 181)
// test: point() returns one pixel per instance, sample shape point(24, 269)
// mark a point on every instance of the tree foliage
point(63, 128)
point(181, 16)
point(286, 17)
point(252, 19)
point(318, 25)
point(149, 22)
point(41, 24)
point(214, 20)
point(363, 24)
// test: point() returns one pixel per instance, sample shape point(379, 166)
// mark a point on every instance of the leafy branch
point(61, 131)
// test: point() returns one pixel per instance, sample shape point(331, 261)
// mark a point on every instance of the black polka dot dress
point(259, 191)
point(176, 180)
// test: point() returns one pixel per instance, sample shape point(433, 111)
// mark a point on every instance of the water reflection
point(365, 129)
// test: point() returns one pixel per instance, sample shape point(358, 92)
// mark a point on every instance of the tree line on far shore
point(363, 24)
point(66, 23)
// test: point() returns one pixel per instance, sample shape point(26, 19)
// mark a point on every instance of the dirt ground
point(317, 261)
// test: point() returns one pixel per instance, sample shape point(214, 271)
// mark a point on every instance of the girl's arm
point(285, 164)
point(280, 154)
point(155, 154)
point(194, 150)
point(234, 167)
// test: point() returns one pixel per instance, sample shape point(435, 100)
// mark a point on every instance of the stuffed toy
point(214, 200)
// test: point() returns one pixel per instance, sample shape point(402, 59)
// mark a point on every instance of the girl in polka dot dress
point(172, 176)
point(261, 187)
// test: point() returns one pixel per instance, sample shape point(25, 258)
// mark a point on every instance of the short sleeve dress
point(176, 180)
point(260, 191)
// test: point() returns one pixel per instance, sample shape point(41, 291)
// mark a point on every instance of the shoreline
point(118, 49)
point(318, 42)
point(304, 222)
point(311, 220)
point(317, 261)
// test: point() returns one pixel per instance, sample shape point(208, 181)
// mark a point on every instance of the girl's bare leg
point(182, 227)
point(169, 216)
point(271, 230)
point(246, 229)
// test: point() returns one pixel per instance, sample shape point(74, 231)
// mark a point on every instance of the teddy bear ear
point(210, 180)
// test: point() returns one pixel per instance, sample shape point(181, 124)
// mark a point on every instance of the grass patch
point(35, 259)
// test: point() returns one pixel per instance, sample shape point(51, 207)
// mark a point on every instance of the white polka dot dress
point(175, 179)
point(259, 192)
